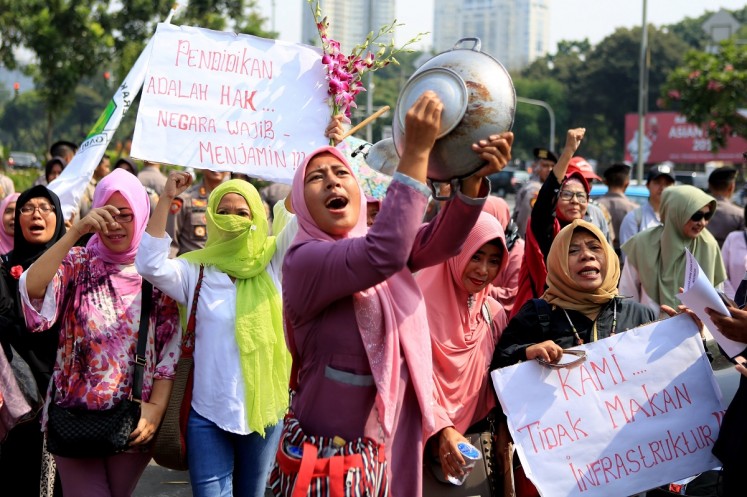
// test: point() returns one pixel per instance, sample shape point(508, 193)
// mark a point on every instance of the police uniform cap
point(722, 174)
point(663, 169)
point(545, 154)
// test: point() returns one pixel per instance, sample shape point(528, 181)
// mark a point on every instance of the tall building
point(350, 21)
point(515, 32)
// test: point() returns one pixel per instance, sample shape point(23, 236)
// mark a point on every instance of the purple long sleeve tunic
point(336, 391)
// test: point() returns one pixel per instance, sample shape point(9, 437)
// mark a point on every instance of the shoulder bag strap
point(142, 338)
point(188, 341)
point(543, 314)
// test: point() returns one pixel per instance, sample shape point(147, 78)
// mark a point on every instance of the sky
point(569, 19)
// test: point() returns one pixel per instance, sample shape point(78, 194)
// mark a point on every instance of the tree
point(709, 90)
point(68, 41)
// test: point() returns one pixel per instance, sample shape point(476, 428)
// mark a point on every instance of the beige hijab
point(562, 289)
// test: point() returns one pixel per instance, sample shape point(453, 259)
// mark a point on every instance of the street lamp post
point(545, 105)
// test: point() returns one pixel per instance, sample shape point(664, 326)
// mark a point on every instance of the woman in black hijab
point(39, 224)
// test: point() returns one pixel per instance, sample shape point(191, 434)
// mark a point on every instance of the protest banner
point(231, 102)
point(643, 410)
point(72, 182)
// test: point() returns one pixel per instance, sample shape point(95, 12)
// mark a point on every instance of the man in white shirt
point(646, 216)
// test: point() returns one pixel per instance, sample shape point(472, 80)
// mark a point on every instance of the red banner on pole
point(669, 137)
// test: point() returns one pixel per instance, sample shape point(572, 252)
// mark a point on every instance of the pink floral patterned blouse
point(99, 305)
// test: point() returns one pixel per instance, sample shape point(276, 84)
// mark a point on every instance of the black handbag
point(84, 433)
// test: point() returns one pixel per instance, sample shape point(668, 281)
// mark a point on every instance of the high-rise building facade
point(515, 32)
point(350, 21)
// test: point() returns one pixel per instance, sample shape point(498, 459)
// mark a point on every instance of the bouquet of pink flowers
point(345, 72)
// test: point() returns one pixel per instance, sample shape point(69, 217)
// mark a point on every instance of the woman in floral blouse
point(95, 292)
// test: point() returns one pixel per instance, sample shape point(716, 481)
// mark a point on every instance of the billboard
point(669, 137)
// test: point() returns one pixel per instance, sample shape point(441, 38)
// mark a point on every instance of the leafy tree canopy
point(709, 89)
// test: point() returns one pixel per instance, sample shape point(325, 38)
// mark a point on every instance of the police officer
point(728, 216)
point(186, 224)
point(617, 179)
point(544, 161)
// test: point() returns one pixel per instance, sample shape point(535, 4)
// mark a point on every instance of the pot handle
point(476, 46)
point(435, 187)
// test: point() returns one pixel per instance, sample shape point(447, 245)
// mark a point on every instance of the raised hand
point(176, 184)
point(335, 130)
point(99, 220)
point(495, 151)
point(422, 122)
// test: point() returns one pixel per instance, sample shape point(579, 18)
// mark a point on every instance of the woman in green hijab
point(655, 258)
point(241, 364)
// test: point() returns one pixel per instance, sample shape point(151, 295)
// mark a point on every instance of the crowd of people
point(383, 320)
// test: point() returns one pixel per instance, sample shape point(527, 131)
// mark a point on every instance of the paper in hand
point(698, 294)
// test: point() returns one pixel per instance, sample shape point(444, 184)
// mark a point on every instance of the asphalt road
point(162, 482)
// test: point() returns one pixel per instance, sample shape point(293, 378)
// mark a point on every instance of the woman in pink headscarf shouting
point(354, 315)
point(465, 324)
point(95, 293)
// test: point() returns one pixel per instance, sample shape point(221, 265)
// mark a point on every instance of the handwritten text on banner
point(641, 411)
point(216, 100)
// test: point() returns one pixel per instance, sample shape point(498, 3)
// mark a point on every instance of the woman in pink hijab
point(95, 293)
point(465, 324)
point(505, 286)
point(8, 211)
point(354, 315)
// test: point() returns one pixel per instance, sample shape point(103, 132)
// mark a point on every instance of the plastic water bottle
point(337, 444)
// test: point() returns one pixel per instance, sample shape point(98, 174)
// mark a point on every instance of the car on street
point(694, 178)
point(23, 160)
point(509, 180)
point(636, 193)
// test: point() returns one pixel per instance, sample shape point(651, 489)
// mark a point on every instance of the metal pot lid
point(450, 88)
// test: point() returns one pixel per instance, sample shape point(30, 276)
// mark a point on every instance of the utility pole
point(642, 94)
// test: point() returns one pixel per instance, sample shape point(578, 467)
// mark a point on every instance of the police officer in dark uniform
point(728, 216)
point(187, 225)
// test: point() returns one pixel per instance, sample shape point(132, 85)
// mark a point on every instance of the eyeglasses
point(44, 209)
point(701, 215)
point(124, 218)
point(568, 195)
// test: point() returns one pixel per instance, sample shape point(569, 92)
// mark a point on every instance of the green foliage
point(709, 89)
point(68, 40)
point(596, 86)
point(23, 178)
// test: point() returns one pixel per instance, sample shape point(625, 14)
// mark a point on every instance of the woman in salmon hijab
point(354, 314)
point(465, 324)
point(505, 286)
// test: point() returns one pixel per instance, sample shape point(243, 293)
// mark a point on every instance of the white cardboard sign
point(642, 410)
point(231, 102)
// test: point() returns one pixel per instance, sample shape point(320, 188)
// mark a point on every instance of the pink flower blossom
point(694, 75)
point(674, 94)
point(728, 67)
point(715, 85)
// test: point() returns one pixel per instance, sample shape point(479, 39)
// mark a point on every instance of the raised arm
point(176, 184)
point(572, 141)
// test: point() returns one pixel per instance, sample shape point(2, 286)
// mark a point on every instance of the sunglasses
point(701, 215)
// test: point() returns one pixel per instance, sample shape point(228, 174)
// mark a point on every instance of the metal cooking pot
point(383, 157)
point(479, 100)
